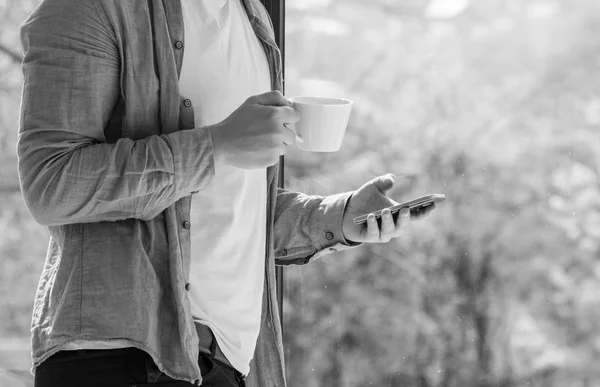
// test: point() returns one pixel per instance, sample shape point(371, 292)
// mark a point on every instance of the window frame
point(276, 9)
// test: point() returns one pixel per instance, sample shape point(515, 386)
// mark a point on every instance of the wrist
point(217, 144)
point(347, 222)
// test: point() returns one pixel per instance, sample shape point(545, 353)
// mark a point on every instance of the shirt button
point(187, 103)
point(187, 286)
point(178, 45)
point(329, 235)
point(187, 225)
point(284, 252)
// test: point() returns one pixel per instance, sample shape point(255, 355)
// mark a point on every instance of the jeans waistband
point(209, 346)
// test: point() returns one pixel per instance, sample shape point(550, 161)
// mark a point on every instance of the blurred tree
point(22, 241)
point(475, 107)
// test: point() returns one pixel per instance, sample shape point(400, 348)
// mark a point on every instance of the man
point(129, 152)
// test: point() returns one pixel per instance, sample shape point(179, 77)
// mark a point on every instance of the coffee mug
point(323, 122)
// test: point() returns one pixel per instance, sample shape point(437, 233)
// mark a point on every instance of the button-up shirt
point(108, 160)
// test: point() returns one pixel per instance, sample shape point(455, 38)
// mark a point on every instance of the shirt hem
point(230, 355)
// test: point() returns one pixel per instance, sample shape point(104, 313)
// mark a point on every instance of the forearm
point(92, 182)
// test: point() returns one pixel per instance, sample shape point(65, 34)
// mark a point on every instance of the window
point(495, 104)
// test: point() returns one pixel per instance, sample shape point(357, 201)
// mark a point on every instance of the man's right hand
point(254, 135)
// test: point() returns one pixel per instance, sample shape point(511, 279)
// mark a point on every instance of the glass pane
point(497, 105)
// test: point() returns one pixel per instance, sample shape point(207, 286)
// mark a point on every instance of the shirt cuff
point(326, 225)
point(194, 160)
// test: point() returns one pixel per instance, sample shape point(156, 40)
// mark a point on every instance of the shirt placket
point(274, 59)
point(180, 116)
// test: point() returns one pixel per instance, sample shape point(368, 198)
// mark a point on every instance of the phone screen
point(413, 204)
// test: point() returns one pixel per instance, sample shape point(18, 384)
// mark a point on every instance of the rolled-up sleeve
point(309, 226)
point(68, 172)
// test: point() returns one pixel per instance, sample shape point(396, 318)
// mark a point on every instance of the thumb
point(385, 183)
point(271, 98)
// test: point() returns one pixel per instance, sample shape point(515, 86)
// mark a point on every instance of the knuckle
point(288, 137)
point(291, 115)
point(282, 149)
point(271, 113)
point(275, 141)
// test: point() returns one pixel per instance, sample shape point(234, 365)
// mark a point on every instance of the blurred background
point(495, 103)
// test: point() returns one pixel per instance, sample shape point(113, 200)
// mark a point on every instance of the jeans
point(126, 367)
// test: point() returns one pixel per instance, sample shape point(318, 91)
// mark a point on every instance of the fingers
point(285, 114)
point(387, 230)
point(289, 134)
point(284, 120)
point(279, 116)
point(271, 98)
point(385, 183)
point(403, 219)
point(372, 228)
point(387, 226)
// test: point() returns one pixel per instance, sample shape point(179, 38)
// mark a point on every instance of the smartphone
point(414, 204)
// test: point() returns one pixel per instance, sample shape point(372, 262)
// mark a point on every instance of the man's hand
point(256, 133)
point(370, 198)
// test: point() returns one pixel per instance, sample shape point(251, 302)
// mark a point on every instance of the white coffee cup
point(323, 122)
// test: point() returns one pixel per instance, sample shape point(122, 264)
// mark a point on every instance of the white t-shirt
point(224, 64)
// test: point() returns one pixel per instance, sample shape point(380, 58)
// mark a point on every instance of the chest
point(224, 62)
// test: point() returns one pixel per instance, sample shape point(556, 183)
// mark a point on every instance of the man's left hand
point(372, 197)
